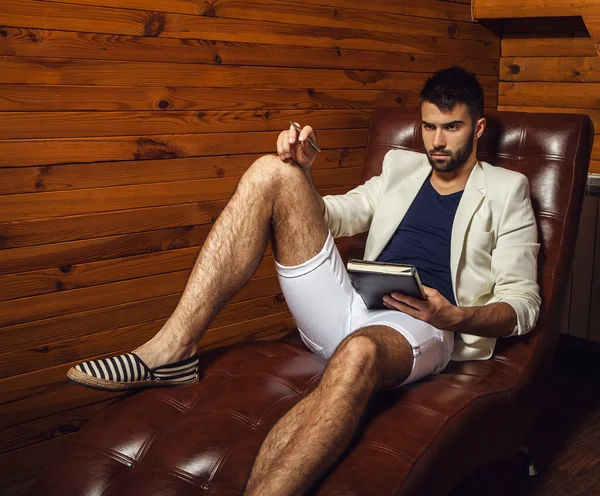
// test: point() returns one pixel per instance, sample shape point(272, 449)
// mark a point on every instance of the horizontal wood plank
point(550, 94)
point(75, 202)
point(30, 97)
point(425, 8)
point(103, 248)
point(555, 69)
point(56, 280)
point(24, 153)
point(74, 325)
point(58, 16)
point(547, 45)
point(27, 70)
point(594, 166)
point(23, 42)
point(34, 125)
point(492, 9)
point(103, 174)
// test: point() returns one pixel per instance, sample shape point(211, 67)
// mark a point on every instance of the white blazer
point(493, 248)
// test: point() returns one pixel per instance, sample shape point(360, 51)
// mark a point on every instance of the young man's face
point(448, 136)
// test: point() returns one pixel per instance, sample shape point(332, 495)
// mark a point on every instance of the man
point(467, 226)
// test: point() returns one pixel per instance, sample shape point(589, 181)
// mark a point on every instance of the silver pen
point(310, 141)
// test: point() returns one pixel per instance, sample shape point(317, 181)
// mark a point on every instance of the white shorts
point(326, 308)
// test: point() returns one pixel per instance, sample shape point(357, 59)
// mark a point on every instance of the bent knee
point(270, 171)
point(358, 354)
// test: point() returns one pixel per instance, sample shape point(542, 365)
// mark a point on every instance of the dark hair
point(448, 87)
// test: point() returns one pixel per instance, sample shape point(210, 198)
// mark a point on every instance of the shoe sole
point(105, 385)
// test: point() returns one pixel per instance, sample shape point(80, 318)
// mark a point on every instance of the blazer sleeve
point(352, 212)
point(514, 259)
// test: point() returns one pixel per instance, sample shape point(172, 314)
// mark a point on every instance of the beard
point(456, 160)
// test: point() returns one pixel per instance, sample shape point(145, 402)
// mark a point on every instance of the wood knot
point(220, 172)
point(4, 33)
point(155, 24)
point(268, 114)
point(412, 57)
point(164, 104)
point(152, 149)
point(218, 60)
point(335, 13)
point(452, 30)
point(310, 92)
point(280, 297)
point(179, 243)
point(399, 100)
point(515, 69)
point(60, 286)
point(39, 185)
point(65, 269)
point(210, 11)
point(338, 51)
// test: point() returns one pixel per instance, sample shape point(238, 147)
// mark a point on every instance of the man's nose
point(438, 139)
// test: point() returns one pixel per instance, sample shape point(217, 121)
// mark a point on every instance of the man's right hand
point(291, 145)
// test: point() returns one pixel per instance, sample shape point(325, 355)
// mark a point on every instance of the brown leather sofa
point(420, 440)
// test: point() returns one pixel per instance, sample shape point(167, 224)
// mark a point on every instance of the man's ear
point(480, 127)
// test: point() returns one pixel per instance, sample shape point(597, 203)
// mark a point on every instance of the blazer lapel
point(396, 205)
point(472, 197)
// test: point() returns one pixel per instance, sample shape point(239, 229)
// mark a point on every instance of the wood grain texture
point(35, 125)
point(36, 70)
point(550, 94)
point(58, 16)
point(491, 9)
point(120, 173)
point(31, 97)
point(547, 45)
point(24, 153)
point(98, 46)
point(75, 202)
point(557, 69)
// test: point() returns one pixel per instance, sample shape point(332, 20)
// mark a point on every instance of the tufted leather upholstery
point(420, 440)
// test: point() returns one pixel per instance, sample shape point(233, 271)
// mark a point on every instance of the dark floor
point(565, 442)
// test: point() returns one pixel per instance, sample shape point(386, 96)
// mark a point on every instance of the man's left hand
point(435, 310)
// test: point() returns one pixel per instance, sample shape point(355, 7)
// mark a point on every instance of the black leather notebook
point(373, 280)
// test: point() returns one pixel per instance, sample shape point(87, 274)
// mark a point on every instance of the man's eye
point(452, 127)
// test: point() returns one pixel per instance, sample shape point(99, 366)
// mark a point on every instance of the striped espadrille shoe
point(129, 371)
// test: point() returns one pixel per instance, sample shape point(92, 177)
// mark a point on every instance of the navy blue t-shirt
point(423, 238)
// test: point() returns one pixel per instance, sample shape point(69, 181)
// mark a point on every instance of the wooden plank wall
point(551, 65)
point(126, 125)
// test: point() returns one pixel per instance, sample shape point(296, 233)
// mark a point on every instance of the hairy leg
point(312, 435)
point(272, 196)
